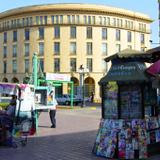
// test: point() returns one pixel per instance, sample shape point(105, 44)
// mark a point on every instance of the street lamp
point(153, 42)
point(82, 72)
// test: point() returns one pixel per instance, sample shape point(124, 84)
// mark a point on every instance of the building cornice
point(78, 8)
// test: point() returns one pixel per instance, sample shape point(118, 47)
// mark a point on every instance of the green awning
point(131, 71)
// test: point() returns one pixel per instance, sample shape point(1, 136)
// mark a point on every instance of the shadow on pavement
point(76, 146)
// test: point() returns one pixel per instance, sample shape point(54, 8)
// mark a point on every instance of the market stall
point(130, 123)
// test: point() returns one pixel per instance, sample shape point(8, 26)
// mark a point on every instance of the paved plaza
point(73, 138)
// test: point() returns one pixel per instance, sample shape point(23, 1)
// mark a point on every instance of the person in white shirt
point(52, 112)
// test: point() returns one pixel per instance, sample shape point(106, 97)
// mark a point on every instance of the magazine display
point(130, 136)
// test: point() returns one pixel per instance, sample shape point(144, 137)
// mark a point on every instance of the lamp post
point(82, 72)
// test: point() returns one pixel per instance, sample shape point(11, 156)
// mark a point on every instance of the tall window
point(89, 32)
point(41, 48)
point(4, 67)
point(89, 64)
point(129, 36)
point(68, 19)
point(14, 66)
point(89, 48)
point(37, 20)
point(15, 50)
point(73, 48)
point(57, 32)
point(41, 33)
point(104, 49)
point(4, 51)
point(104, 33)
point(14, 36)
point(45, 19)
point(27, 34)
point(5, 37)
point(26, 49)
point(118, 35)
point(61, 19)
point(118, 48)
point(73, 64)
point(56, 48)
point(104, 65)
point(26, 63)
point(73, 32)
point(142, 39)
point(41, 64)
point(56, 65)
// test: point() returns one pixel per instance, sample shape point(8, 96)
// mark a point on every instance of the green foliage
point(4, 105)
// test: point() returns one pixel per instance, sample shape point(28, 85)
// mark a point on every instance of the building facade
point(66, 36)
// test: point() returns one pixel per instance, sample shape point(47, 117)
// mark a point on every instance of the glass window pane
point(15, 50)
point(89, 32)
point(73, 64)
point(104, 33)
point(89, 64)
point(104, 49)
point(56, 48)
point(118, 35)
point(89, 48)
point(73, 47)
point(129, 37)
point(56, 65)
point(4, 51)
point(41, 33)
point(26, 34)
point(41, 64)
point(73, 32)
point(14, 66)
point(14, 36)
point(41, 48)
point(4, 67)
point(26, 49)
point(5, 37)
point(26, 65)
point(56, 32)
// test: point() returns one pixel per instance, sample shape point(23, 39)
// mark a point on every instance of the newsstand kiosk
point(130, 124)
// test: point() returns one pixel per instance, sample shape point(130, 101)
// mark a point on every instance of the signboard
point(57, 77)
point(130, 71)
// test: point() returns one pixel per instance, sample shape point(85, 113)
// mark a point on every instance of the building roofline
point(81, 7)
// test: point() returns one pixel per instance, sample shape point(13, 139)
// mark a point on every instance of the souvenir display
point(152, 123)
point(158, 135)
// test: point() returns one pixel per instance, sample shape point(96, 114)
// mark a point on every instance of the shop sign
point(57, 77)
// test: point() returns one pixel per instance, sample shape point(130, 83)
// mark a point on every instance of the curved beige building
point(66, 36)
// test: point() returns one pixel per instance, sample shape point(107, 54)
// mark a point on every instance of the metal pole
point(71, 92)
point(83, 91)
point(35, 69)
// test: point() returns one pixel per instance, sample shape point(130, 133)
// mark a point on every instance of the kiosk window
point(110, 101)
point(130, 102)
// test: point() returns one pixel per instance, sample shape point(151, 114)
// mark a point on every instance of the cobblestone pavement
point(73, 138)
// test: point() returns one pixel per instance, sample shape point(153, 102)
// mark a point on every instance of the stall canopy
point(128, 55)
point(154, 69)
point(131, 71)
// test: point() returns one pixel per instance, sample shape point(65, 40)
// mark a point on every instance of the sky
point(149, 7)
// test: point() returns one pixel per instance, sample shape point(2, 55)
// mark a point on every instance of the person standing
point(52, 112)
point(92, 96)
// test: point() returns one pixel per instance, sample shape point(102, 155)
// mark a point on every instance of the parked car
point(66, 99)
